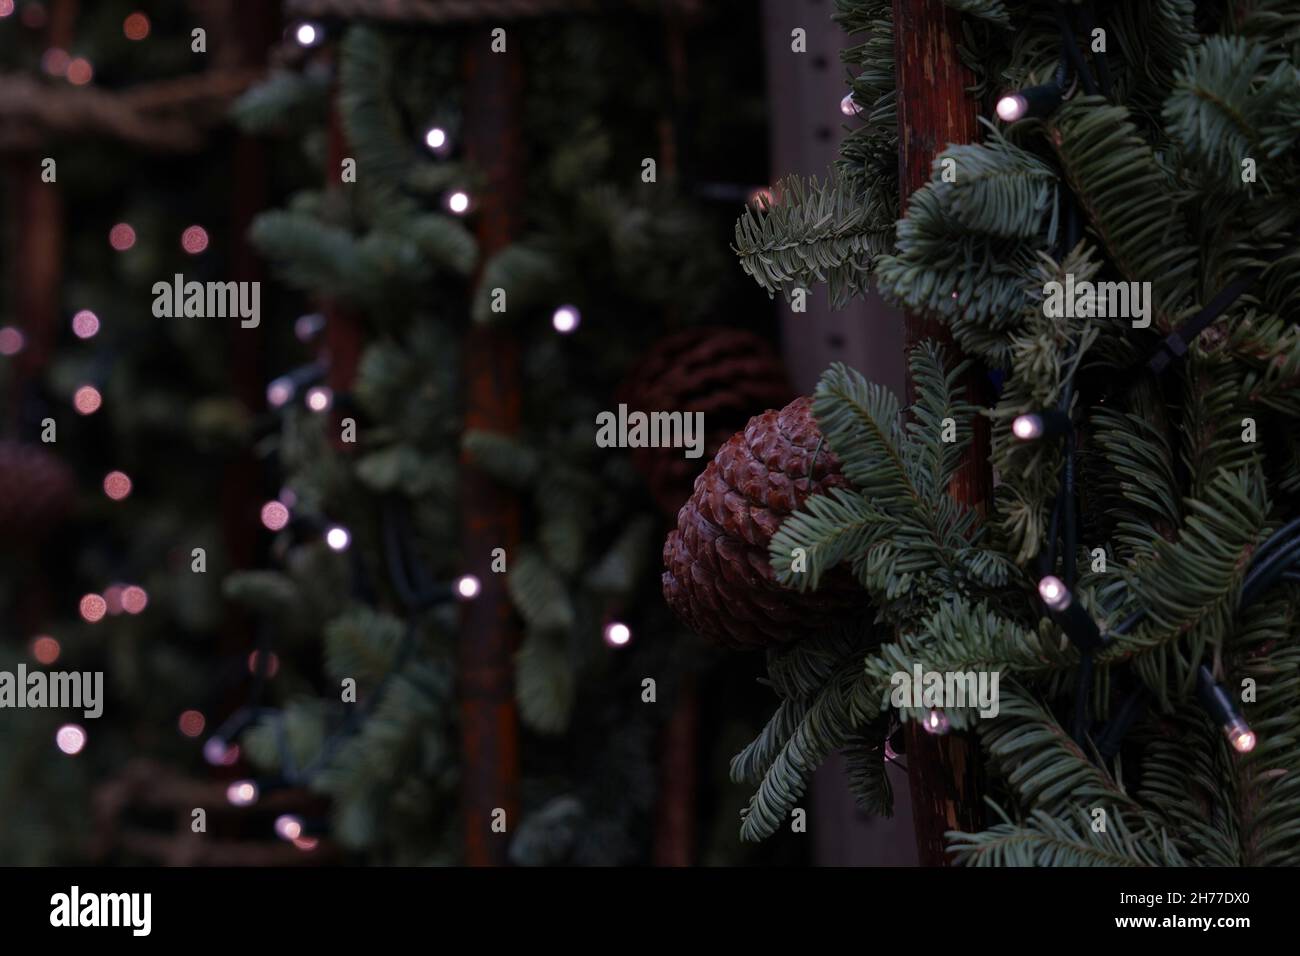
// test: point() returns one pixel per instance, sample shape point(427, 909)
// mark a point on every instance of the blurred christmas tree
point(449, 230)
point(119, 426)
point(490, 250)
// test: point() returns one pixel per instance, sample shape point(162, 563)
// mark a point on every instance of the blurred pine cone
point(718, 578)
point(728, 374)
point(36, 490)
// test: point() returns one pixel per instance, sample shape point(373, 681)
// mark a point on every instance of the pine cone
point(728, 374)
point(718, 578)
point(36, 491)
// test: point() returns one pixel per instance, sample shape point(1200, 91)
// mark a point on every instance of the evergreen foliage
point(382, 248)
point(1177, 503)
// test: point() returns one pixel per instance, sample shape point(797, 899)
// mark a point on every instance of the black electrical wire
point(1071, 49)
point(1089, 23)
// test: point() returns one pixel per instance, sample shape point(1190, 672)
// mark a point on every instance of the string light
point(136, 26)
point(458, 202)
point(283, 388)
point(71, 739)
point(219, 753)
point(307, 327)
point(194, 240)
point(93, 608)
point(85, 324)
point(617, 634)
point(191, 723)
point(11, 340)
point(288, 827)
point(117, 485)
point(134, 599)
point(936, 722)
point(320, 398)
point(279, 392)
point(1070, 615)
point(468, 587)
point(242, 793)
point(275, 516)
point(438, 141)
point(55, 61)
point(762, 197)
point(1032, 426)
point(848, 106)
point(1221, 709)
point(87, 400)
point(80, 72)
point(1031, 101)
point(566, 319)
point(338, 538)
point(45, 649)
point(121, 237)
point(308, 34)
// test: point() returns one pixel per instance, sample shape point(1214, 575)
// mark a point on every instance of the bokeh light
point(93, 608)
point(80, 72)
point(278, 392)
point(242, 793)
point(11, 341)
point(45, 649)
point(617, 634)
point(274, 516)
point(117, 485)
point(192, 723)
point(55, 61)
point(194, 240)
point(288, 826)
point(307, 327)
point(87, 400)
point(85, 324)
point(468, 587)
point(71, 738)
point(338, 538)
point(320, 398)
point(136, 26)
point(121, 237)
point(134, 599)
point(566, 318)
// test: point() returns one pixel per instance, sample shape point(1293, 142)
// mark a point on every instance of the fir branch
point(812, 232)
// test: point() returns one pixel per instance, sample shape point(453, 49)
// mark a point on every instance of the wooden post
point(491, 517)
point(934, 110)
point(38, 265)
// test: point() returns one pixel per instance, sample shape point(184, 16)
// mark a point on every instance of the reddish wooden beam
point(934, 110)
point(491, 518)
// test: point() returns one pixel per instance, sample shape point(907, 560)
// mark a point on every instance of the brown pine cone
point(728, 374)
point(718, 579)
point(36, 491)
